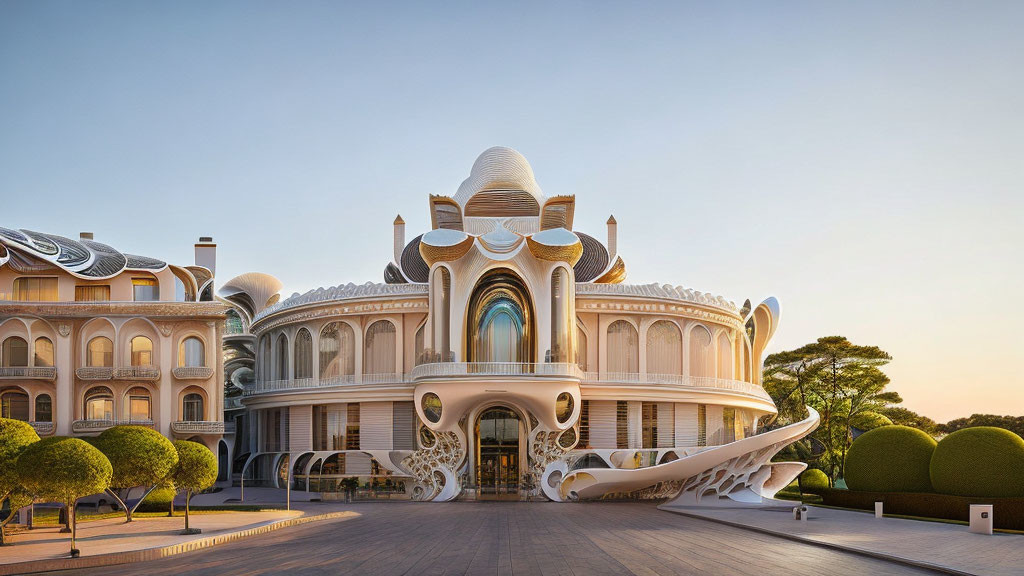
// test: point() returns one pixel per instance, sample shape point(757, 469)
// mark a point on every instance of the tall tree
point(15, 437)
point(839, 379)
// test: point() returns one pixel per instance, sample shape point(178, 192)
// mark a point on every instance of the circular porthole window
point(563, 407)
point(431, 407)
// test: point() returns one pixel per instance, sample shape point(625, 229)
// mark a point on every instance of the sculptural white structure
point(505, 356)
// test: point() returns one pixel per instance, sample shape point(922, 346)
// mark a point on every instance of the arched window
point(581, 348)
point(192, 408)
point(15, 352)
point(702, 362)
point(142, 351)
point(623, 348)
point(303, 354)
point(44, 408)
point(138, 406)
point(43, 352)
point(99, 403)
point(724, 356)
point(282, 357)
point(561, 317)
point(100, 352)
point(191, 353)
point(379, 356)
point(233, 323)
point(442, 287)
point(664, 348)
point(337, 350)
point(265, 355)
point(14, 404)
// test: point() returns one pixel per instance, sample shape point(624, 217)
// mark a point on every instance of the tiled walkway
point(514, 538)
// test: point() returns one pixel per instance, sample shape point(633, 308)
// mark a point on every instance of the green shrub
point(890, 459)
point(1007, 513)
point(813, 479)
point(159, 500)
point(982, 461)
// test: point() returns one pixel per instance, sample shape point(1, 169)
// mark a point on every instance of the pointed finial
point(398, 219)
point(611, 220)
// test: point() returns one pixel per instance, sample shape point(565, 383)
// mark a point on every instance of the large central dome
point(499, 168)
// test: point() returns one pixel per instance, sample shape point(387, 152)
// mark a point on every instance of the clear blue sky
point(864, 163)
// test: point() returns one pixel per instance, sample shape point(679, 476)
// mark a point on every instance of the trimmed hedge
point(812, 480)
point(1008, 513)
point(890, 459)
point(981, 461)
point(159, 500)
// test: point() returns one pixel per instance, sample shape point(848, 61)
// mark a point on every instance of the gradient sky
point(864, 164)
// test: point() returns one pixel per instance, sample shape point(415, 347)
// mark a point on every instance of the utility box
point(800, 513)
point(981, 519)
point(878, 509)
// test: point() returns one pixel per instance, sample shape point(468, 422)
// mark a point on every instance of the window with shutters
point(584, 425)
point(649, 417)
point(621, 424)
point(352, 427)
point(702, 425)
point(403, 423)
point(320, 428)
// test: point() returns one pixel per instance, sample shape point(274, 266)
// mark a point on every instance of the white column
point(65, 398)
point(168, 407)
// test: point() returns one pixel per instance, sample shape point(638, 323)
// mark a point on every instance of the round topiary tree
point(813, 479)
point(196, 470)
point(981, 461)
point(890, 459)
point(140, 456)
point(63, 470)
point(15, 437)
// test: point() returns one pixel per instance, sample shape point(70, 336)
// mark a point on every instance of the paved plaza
point(512, 538)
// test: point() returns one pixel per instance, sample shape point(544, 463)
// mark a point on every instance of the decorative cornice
point(186, 310)
point(343, 292)
point(663, 291)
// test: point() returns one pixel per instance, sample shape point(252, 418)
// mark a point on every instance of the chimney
point(85, 235)
point(206, 254)
point(613, 238)
point(399, 238)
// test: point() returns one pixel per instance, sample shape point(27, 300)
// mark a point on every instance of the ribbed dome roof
point(499, 168)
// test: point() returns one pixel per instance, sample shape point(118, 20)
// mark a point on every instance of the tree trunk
point(127, 511)
point(131, 512)
point(171, 513)
point(73, 519)
point(188, 496)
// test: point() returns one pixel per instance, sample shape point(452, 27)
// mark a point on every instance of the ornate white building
point(91, 337)
point(505, 356)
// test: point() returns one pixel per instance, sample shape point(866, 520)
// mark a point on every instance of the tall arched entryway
point(497, 454)
point(500, 320)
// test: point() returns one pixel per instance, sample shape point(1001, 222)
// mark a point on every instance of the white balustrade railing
point(192, 372)
point(264, 386)
point(197, 427)
point(137, 373)
point(43, 428)
point(679, 380)
point(100, 425)
point(29, 372)
point(472, 369)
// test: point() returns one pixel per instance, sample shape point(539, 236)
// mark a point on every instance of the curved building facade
point(505, 356)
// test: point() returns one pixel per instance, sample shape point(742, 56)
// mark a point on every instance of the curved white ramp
point(741, 471)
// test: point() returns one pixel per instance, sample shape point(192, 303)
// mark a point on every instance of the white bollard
point(800, 513)
point(878, 510)
point(981, 519)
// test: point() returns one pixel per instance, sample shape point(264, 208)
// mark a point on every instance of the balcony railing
point(83, 426)
point(137, 373)
point(233, 403)
point(197, 427)
point(474, 369)
point(94, 373)
point(678, 380)
point(192, 372)
point(265, 386)
point(43, 428)
point(28, 372)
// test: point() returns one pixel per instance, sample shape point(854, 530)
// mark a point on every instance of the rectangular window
point(320, 427)
point(621, 424)
point(728, 425)
point(584, 425)
point(352, 428)
point(145, 290)
point(702, 425)
point(91, 293)
point(139, 408)
point(649, 415)
point(403, 425)
point(35, 289)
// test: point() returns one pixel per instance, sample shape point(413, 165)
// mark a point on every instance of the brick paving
point(513, 538)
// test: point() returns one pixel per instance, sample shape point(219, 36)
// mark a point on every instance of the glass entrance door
point(497, 471)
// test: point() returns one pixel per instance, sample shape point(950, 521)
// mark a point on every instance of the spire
point(613, 240)
point(399, 239)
